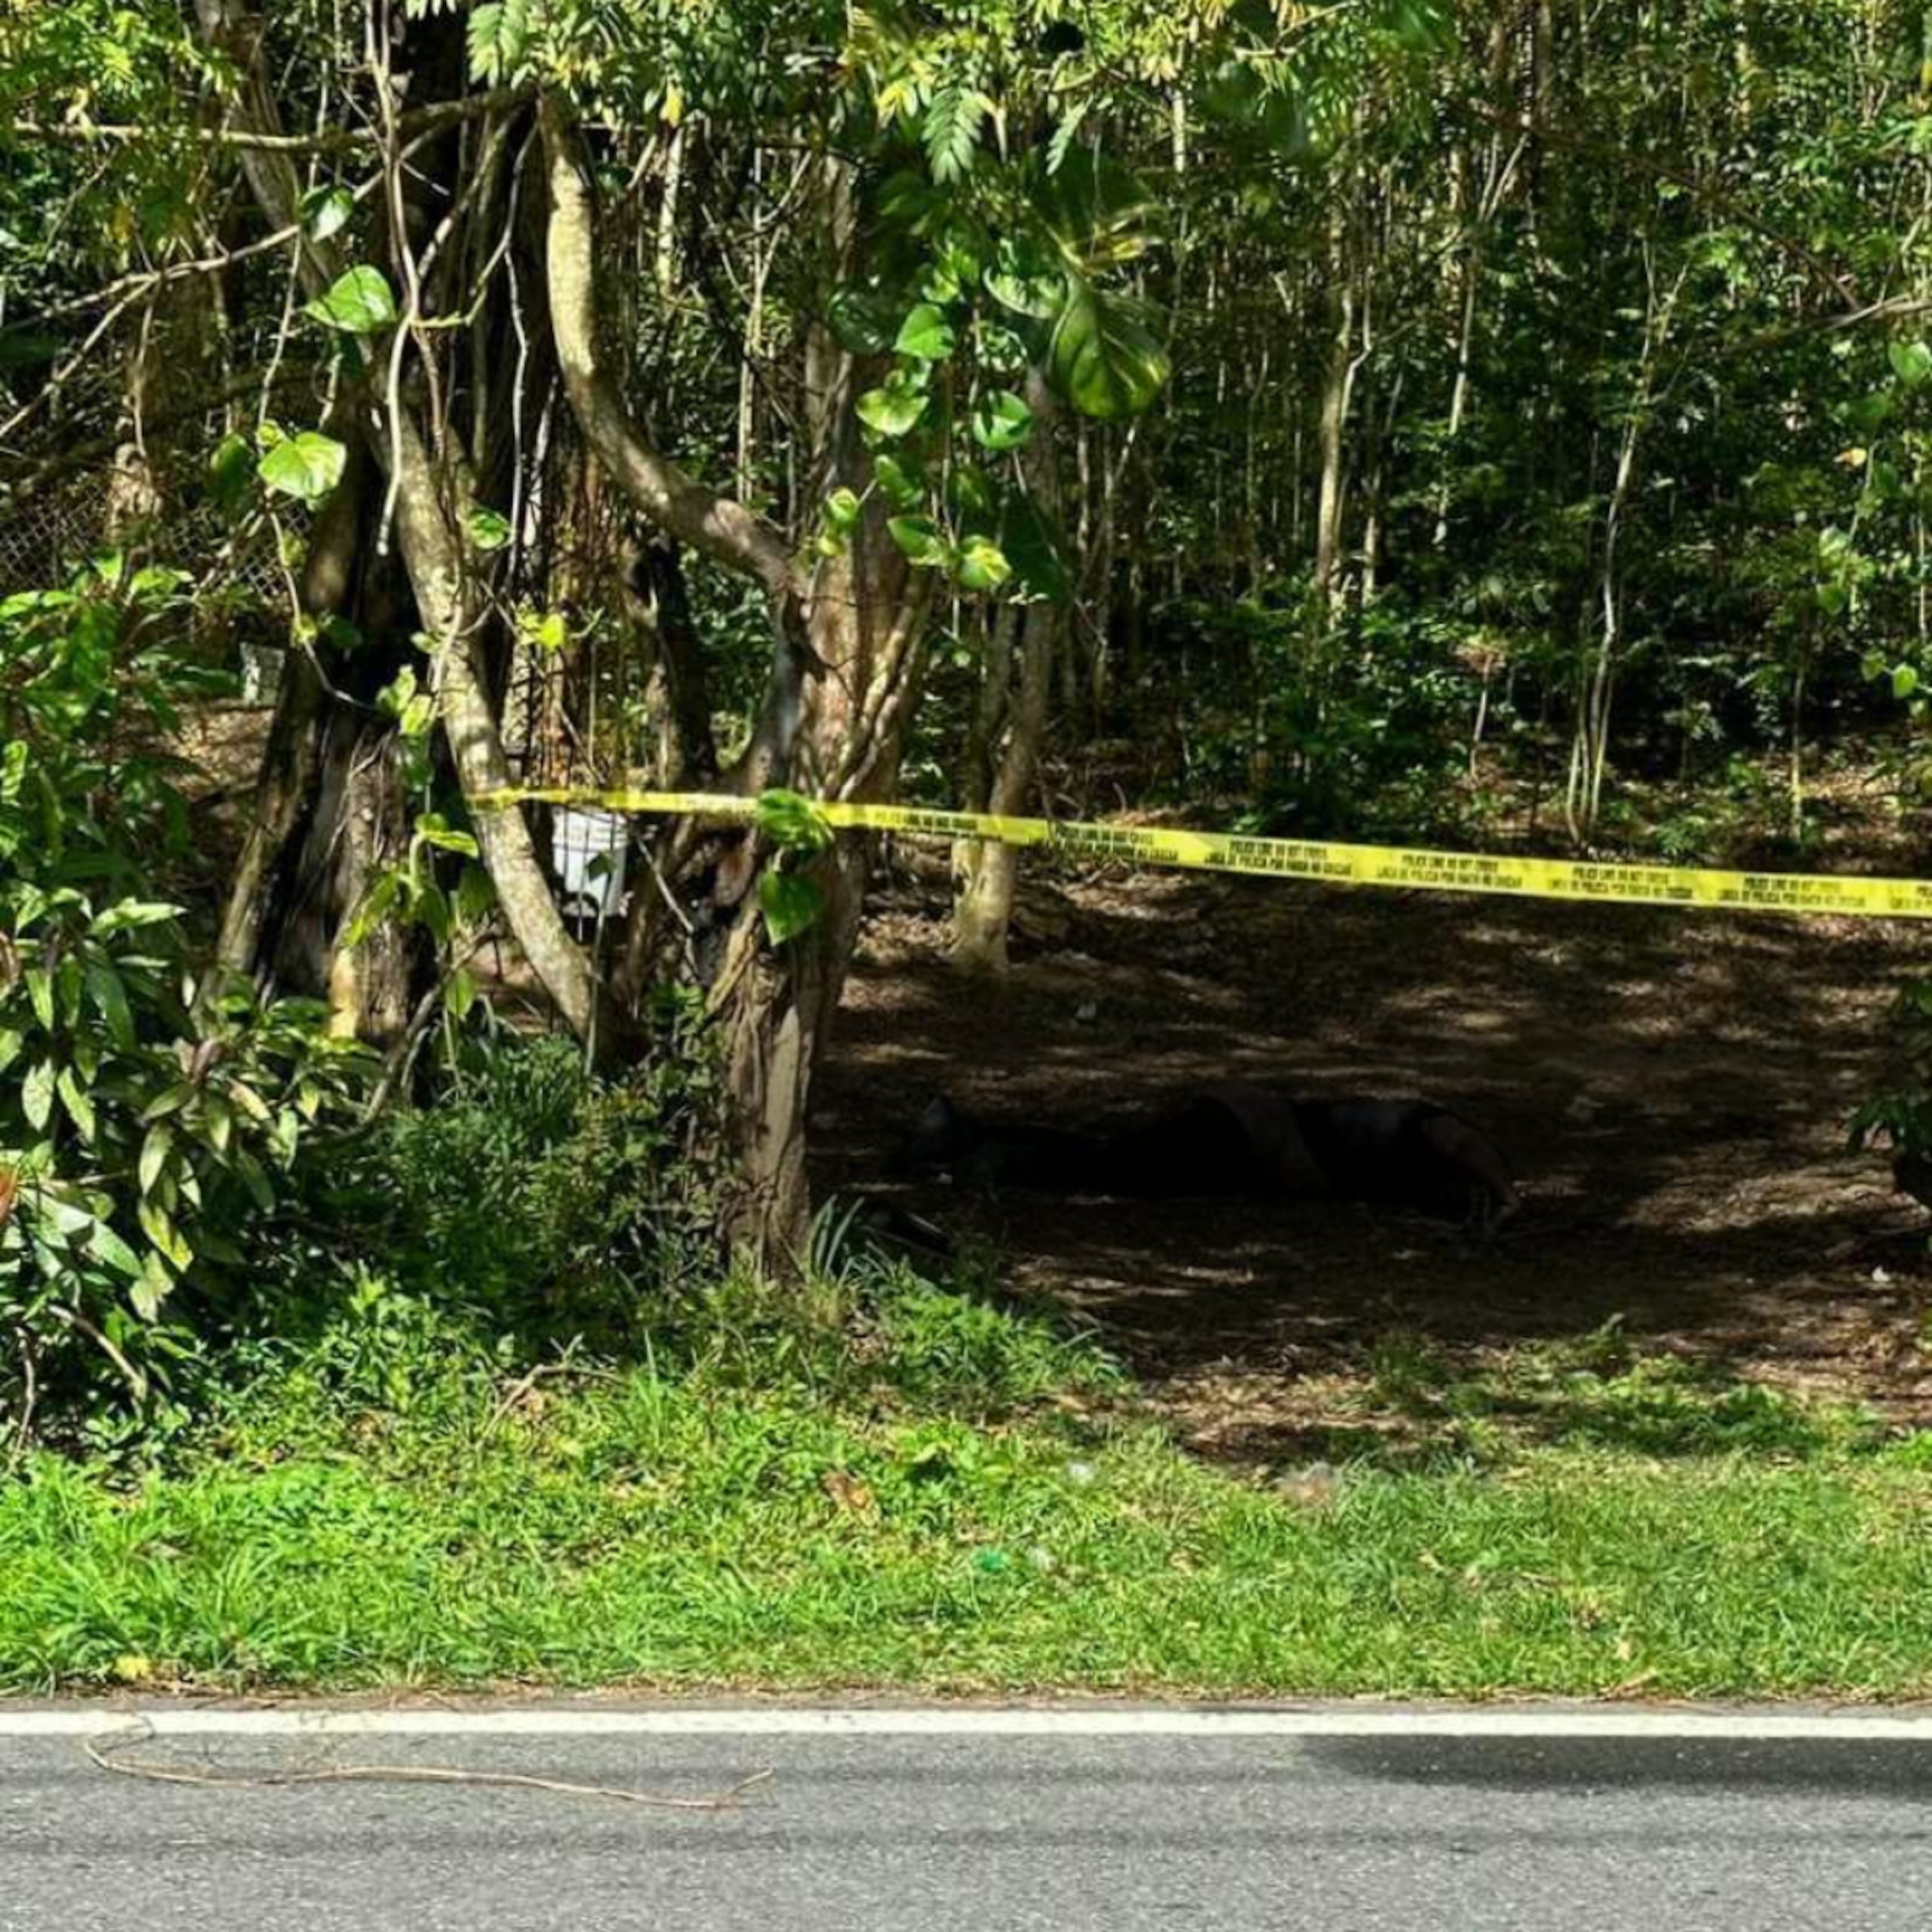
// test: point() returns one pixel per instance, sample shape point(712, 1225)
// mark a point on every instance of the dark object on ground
point(1233, 1140)
point(1912, 1174)
point(887, 1223)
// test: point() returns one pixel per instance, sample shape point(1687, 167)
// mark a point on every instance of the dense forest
point(1501, 425)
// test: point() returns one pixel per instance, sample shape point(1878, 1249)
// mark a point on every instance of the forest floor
point(1673, 1091)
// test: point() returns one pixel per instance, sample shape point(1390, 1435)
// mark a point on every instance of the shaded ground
point(1673, 1089)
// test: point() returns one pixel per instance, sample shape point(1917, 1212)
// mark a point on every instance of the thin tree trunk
point(982, 906)
point(1330, 506)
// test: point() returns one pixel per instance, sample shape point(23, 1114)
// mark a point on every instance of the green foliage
point(146, 1117)
point(550, 1200)
point(357, 302)
point(306, 466)
point(1105, 359)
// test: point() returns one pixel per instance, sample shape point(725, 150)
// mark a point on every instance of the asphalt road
point(996, 1833)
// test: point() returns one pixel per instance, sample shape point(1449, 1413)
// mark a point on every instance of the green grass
point(392, 1506)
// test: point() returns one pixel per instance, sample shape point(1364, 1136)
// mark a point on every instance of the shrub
point(545, 1197)
point(146, 1114)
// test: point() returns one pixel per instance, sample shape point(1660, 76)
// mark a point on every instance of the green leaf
point(110, 994)
point(250, 1101)
point(950, 130)
point(1036, 550)
point(889, 411)
point(431, 909)
point(126, 915)
point(153, 1289)
point(1061, 142)
point(901, 482)
point(307, 467)
point(1912, 362)
point(256, 1180)
point(434, 829)
point(475, 896)
point(79, 1103)
point(1100, 213)
point(842, 510)
point(103, 1242)
point(1000, 349)
point(40, 991)
point(1905, 681)
point(920, 538)
point(170, 1100)
point(790, 903)
point(499, 34)
point(1104, 358)
point(1027, 282)
point(155, 1149)
point(37, 1095)
point(459, 993)
point(358, 303)
point(376, 906)
point(1002, 421)
point(864, 320)
point(489, 530)
point(162, 1232)
point(231, 473)
point(981, 565)
point(975, 498)
point(326, 211)
point(792, 822)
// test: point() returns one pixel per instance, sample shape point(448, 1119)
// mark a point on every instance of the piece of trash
point(1082, 1473)
point(1314, 1485)
point(992, 1562)
point(1881, 1277)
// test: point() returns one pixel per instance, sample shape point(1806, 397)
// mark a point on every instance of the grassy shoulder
point(908, 1486)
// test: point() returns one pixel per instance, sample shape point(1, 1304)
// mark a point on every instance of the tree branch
point(719, 526)
point(330, 140)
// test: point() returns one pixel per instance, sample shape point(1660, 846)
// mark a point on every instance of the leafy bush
point(146, 1111)
point(549, 1199)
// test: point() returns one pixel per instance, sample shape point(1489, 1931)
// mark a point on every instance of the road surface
point(981, 1821)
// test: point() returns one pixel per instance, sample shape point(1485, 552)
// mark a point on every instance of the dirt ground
point(1672, 1089)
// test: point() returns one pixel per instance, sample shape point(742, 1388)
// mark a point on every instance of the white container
point(261, 671)
point(588, 848)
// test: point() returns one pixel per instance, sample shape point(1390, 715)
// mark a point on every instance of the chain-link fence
point(43, 537)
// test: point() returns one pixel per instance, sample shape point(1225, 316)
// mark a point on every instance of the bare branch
point(328, 141)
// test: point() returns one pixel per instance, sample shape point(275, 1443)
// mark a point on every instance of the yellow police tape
point(1324, 860)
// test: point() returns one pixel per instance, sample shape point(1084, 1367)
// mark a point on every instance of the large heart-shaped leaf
point(927, 333)
point(1105, 359)
point(307, 467)
point(1002, 421)
point(789, 902)
point(357, 302)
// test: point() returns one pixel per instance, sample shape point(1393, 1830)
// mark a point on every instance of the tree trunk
point(1329, 503)
point(988, 872)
